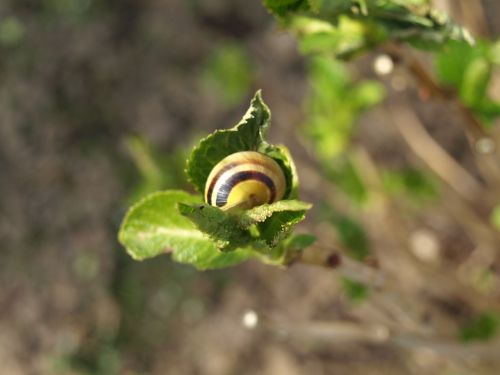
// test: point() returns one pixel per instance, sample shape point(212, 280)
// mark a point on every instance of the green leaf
point(228, 73)
point(353, 237)
point(468, 69)
point(206, 236)
point(475, 81)
point(354, 290)
point(481, 328)
point(283, 157)
point(343, 39)
point(368, 94)
point(299, 241)
point(377, 21)
point(334, 106)
point(261, 226)
point(495, 217)
point(154, 226)
point(346, 176)
point(413, 184)
point(222, 227)
point(282, 7)
point(261, 213)
point(11, 31)
point(275, 221)
point(288, 249)
point(494, 53)
point(452, 62)
point(247, 135)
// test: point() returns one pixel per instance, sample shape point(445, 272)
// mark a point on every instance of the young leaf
point(287, 250)
point(278, 226)
point(334, 106)
point(376, 22)
point(469, 70)
point(206, 236)
point(283, 157)
point(222, 227)
point(275, 221)
point(247, 135)
point(343, 39)
point(452, 62)
point(154, 226)
point(265, 224)
point(261, 213)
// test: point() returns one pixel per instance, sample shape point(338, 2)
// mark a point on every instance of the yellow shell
point(245, 179)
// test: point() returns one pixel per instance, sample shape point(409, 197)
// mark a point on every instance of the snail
point(245, 179)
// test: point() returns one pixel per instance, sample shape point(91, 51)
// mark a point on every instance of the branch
point(339, 332)
point(343, 265)
point(425, 79)
point(428, 150)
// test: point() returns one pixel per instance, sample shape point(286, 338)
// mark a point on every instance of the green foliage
point(274, 222)
point(350, 232)
point(354, 290)
point(11, 31)
point(318, 36)
point(73, 11)
point(411, 183)
point(353, 236)
point(300, 241)
point(481, 328)
point(343, 173)
point(154, 226)
point(334, 105)
point(495, 217)
point(228, 74)
point(261, 226)
point(222, 228)
point(349, 26)
point(247, 135)
point(287, 250)
point(468, 69)
point(206, 236)
point(453, 61)
point(282, 7)
point(332, 109)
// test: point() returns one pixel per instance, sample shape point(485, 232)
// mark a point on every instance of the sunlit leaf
point(153, 226)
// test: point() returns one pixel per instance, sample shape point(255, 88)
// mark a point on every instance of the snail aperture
point(245, 179)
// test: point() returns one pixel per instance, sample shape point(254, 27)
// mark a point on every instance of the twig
point(438, 160)
point(343, 265)
point(394, 301)
point(426, 81)
point(348, 332)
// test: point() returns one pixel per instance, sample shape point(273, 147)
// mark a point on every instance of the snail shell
point(245, 179)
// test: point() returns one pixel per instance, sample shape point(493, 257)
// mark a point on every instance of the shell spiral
point(245, 179)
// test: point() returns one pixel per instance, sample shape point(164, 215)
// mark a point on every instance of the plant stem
point(348, 332)
point(438, 160)
point(425, 79)
point(343, 265)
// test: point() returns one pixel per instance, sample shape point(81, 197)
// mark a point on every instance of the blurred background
point(100, 102)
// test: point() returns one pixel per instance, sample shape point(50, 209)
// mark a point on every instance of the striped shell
point(245, 179)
